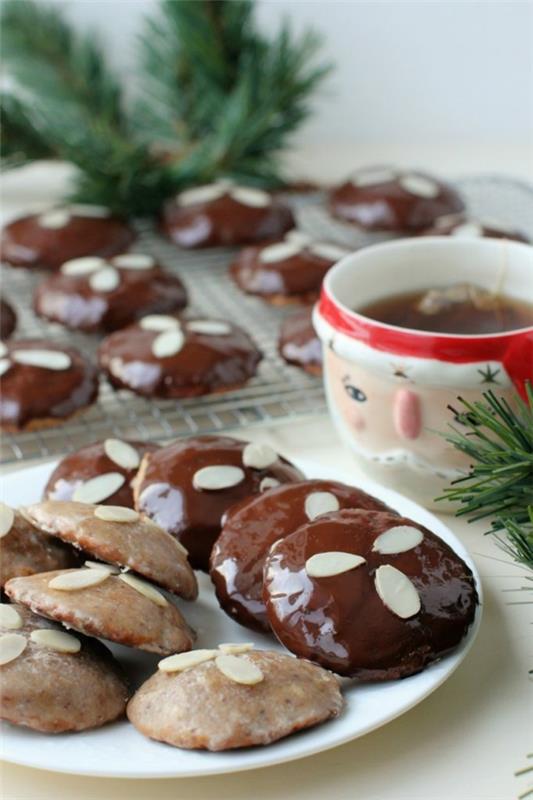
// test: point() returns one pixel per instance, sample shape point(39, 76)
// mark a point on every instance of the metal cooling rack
point(278, 392)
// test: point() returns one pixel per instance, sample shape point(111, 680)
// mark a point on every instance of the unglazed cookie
point(43, 384)
point(393, 200)
point(163, 356)
point(187, 486)
point(230, 701)
point(8, 320)
point(224, 214)
point(58, 681)
point(101, 472)
point(121, 608)
point(251, 528)
point(368, 594)
point(298, 342)
point(118, 535)
point(286, 271)
point(25, 550)
point(49, 239)
point(94, 294)
point(471, 228)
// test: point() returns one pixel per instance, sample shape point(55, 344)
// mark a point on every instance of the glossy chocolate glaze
point(88, 462)
point(389, 207)
point(32, 395)
point(224, 222)
point(341, 623)
point(8, 320)
point(297, 278)
point(299, 344)
point(70, 300)
point(25, 243)
point(164, 489)
point(205, 364)
point(456, 225)
point(239, 553)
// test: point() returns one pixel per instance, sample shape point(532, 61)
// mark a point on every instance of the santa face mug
point(389, 389)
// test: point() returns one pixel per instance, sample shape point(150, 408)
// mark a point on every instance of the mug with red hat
point(392, 391)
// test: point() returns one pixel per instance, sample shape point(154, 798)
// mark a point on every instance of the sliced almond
point(83, 266)
point(397, 592)
point(318, 503)
point(248, 196)
point(468, 230)
point(3, 349)
point(219, 476)
point(12, 645)
point(122, 453)
point(268, 483)
point(258, 456)
point(397, 540)
point(110, 568)
point(201, 194)
point(234, 648)
point(209, 327)
point(78, 579)
point(159, 322)
point(419, 185)
point(279, 252)
point(7, 518)
point(46, 359)
point(183, 661)
point(168, 343)
point(10, 617)
point(327, 251)
point(57, 218)
point(298, 237)
point(373, 176)
point(116, 514)
point(105, 280)
point(86, 210)
point(144, 588)
point(134, 261)
point(334, 562)
point(56, 640)
point(240, 670)
point(5, 363)
point(99, 488)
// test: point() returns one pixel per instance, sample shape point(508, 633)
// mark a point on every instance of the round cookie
point(49, 239)
point(94, 294)
point(75, 476)
point(225, 702)
point(391, 200)
point(286, 271)
point(119, 536)
point(471, 228)
point(298, 342)
point(59, 681)
point(224, 214)
point(187, 486)
point(8, 320)
point(25, 550)
point(368, 594)
point(43, 384)
point(250, 529)
point(162, 356)
point(121, 608)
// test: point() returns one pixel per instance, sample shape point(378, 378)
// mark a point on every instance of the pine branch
point(20, 139)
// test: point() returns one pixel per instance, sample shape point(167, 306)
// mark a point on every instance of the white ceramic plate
point(117, 750)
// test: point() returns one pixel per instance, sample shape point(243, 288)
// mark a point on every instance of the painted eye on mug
point(355, 393)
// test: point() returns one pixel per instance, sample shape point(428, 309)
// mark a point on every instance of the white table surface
point(466, 741)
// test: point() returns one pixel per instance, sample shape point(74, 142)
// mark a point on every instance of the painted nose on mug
point(407, 414)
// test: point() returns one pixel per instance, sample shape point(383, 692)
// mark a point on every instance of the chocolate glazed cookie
point(8, 320)
point(48, 240)
point(298, 342)
point(368, 594)
point(187, 487)
point(468, 227)
point(250, 529)
point(223, 214)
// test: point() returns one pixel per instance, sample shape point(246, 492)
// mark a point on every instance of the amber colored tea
point(462, 308)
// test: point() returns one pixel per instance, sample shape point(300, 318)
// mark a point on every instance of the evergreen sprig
point(217, 98)
point(499, 441)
